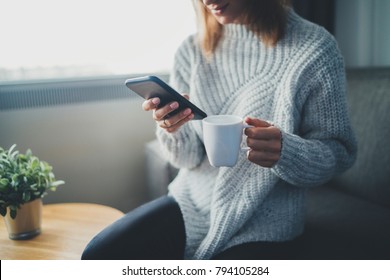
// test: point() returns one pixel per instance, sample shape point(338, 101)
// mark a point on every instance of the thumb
point(257, 122)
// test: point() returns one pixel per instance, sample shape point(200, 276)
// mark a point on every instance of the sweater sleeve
point(325, 144)
point(184, 148)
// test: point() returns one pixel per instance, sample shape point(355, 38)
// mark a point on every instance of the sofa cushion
point(369, 106)
point(342, 226)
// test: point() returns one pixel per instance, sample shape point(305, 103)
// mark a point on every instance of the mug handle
point(245, 149)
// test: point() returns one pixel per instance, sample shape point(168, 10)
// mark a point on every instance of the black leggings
point(155, 231)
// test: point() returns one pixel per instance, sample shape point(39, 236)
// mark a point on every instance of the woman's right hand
point(173, 123)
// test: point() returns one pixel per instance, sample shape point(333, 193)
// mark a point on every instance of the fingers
point(161, 113)
point(175, 119)
point(271, 146)
point(265, 133)
point(162, 117)
point(264, 141)
point(151, 104)
point(263, 158)
point(257, 122)
point(264, 152)
point(166, 124)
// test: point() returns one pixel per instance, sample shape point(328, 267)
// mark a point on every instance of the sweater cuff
point(303, 162)
point(172, 137)
point(293, 166)
point(181, 148)
point(291, 145)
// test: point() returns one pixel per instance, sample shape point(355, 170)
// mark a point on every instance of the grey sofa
point(348, 218)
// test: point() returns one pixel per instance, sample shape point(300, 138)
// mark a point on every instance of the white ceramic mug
point(222, 136)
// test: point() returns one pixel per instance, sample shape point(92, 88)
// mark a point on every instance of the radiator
point(14, 95)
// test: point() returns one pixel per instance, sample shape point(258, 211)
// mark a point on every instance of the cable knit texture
point(299, 86)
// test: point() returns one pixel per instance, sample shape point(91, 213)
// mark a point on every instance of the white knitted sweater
point(299, 86)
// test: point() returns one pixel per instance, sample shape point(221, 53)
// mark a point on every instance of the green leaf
point(26, 196)
point(23, 177)
point(3, 211)
point(57, 183)
point(34, 163)
point(4, 182)
point(14, 154)
point(5, 161)
point(11, 149)
point(13, 213)
point(13, 207)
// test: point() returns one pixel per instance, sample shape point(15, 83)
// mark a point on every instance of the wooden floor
point(66, 230)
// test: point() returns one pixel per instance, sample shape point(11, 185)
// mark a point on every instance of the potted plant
point(24, 180)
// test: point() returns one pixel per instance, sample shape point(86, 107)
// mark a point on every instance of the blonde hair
point(266, 18)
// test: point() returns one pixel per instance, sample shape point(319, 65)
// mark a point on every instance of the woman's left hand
point(264, 141)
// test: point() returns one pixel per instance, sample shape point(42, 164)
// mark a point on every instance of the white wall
point(363, 32)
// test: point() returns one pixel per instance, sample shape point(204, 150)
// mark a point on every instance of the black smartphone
point(151, 86)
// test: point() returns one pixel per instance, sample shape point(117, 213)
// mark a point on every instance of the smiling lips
point(219, 10)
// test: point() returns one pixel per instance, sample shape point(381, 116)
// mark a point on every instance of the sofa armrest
point(159, 173)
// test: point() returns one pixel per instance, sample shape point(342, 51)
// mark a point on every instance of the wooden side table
point(66, 230)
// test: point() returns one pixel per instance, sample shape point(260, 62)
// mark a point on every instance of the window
point(50, 39)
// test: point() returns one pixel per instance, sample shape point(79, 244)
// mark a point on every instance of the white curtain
point(363, 32)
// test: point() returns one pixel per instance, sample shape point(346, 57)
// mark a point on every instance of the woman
point(260, 60)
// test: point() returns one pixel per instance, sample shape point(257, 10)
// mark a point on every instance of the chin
point(224, 21)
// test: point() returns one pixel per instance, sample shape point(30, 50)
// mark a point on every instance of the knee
point(100, 247)
point(92, 251)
